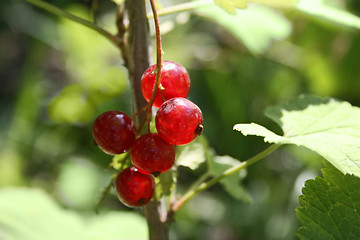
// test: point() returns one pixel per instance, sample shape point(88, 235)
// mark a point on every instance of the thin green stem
point(104, 193)
point(201, 179)
point(182, 7)
point(193, 192)
point(59, 12)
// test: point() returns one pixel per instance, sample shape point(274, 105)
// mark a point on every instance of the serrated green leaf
point(217, 165)
point(330, 206)
point(327, 126)
point(32, 214)
point(190, 155)
point(230, 5)
point(256, 26)
point(258, 130)
point(323, 11)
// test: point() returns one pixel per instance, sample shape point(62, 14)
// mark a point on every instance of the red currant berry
point(114, 132)
point(175, 82)
point(151, 154)
point(134, 188)
point(178, 121)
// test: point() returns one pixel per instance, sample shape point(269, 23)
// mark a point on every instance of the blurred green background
point(57, 76)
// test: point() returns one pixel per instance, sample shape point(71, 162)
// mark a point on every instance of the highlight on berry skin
point(174, 80)
point(179, 121)
point(134, 188)
point(114, 132)
point(152, 155)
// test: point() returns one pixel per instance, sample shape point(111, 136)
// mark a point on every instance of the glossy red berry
point(175, 82)
point(134, 188)
point(178, 121)
point(151, 154)
point(114, 132)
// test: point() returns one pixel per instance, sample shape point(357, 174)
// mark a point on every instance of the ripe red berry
point(178, 121)
point(174, 80)
point(151, 154)
point(134, 188)
point(114, 132)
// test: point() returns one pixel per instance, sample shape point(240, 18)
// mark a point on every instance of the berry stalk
point(158, 55)
point(205, 185)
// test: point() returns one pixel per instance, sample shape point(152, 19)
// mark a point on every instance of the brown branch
point(121, 28)
point(137, 51)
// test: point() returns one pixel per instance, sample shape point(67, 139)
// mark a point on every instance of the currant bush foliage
point(327, 12)
point(240, 19)
point(96, 75)
point(232, 184)
point(256, 36)
point(191, 155)
point(330, 207)
point(231, 5)
point(327, 126)
point(32, 214)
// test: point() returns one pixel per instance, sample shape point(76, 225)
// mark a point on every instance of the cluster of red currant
point(178, 121)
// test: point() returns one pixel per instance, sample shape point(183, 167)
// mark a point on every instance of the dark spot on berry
point(141, 201)
point(199, 129)
point(155, 174)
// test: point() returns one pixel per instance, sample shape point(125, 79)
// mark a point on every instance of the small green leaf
point(330, 207)
point(230, 5)
point(256, 26)
point(32, 214)
point(120, 161)
point(321, 10)
point(167, 182)
point(327, 126)
point(190, 155)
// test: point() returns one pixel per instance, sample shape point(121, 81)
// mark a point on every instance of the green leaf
point(105, 84)
point(93, 64)
point(32, 214)
point(320, 10)
point(190, 155)
point(219, 164)
point(78, 183)
point(256, 26)
point(275, 3)
point(330, 207)
point(327, 126)
point(167, 182)
point(120, 161)
point(230, 5)
point(71, 106)
point(118, 2)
